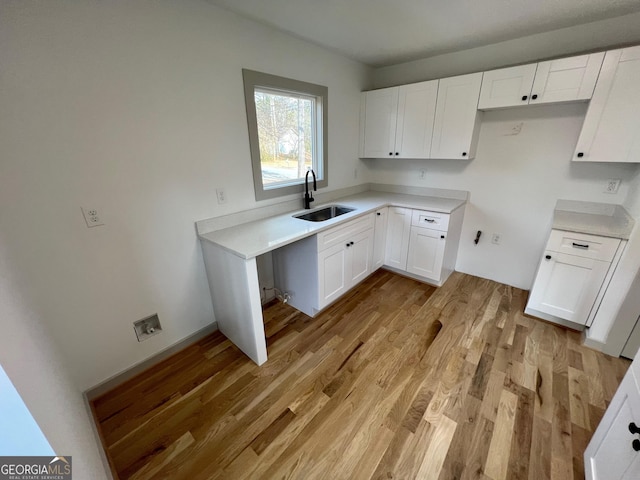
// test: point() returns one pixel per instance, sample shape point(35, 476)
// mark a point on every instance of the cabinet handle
point(378, 213)
point(464, 154)
point(390, 153)
point(441, 236)
point(533, 97)
point(580, 245)
point(430, 220)
point(580, 155)
point(348, 245)
point(548, 257)
point(636, 445)
point(633, 428)
point(524, 98)
point(397, 153)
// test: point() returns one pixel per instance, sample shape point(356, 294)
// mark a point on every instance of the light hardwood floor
point(398, 381)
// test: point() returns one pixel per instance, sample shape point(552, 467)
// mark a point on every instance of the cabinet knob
point(580, 154)
point(464, 154)
point(633, 428)
point(548, 257)
point(397, 153)
point(524, 98)
point(636, 445)
point(347, 245)
point(378, 213)
point(441, 236)
point(533, 97)
point(390, 153)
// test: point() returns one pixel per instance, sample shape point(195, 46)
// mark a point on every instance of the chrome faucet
point(308, 196)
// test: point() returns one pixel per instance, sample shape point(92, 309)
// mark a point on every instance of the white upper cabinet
point(611, 129)
point(507, 87)
point(416, 111)
point(398, 121)
point(379, 111)
point(555, 81)
point(457, 122)
point(566, 79)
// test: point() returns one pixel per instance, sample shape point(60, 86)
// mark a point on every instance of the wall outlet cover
point(612, 185)
point(92, 217)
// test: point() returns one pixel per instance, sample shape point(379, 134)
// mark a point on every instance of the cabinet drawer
point(583, 245)
point(433, 220)
point(345, 232)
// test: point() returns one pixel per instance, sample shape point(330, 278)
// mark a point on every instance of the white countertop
point(606, 220)
point(251, 239)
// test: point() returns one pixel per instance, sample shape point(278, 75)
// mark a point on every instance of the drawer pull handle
point(636, 445)
point(430, 220)
point(633, 428)
point(548, 257)
point(580, 245)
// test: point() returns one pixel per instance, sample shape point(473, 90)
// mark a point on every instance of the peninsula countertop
point(248, 240)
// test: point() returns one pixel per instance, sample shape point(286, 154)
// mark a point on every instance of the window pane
point(285, 135)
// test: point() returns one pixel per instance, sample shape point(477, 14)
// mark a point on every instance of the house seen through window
point(287, 132)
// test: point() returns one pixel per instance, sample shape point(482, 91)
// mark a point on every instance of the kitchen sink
point(325, 213)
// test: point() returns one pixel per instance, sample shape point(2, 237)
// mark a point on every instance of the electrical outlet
point(495, 238)
point(222, 196)
point(612, 185)
point(92, 217)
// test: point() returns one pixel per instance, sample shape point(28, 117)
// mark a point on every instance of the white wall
point(620, 308)
point(33, 363)
point(557, 43)
point(514, 183)
point(136, 109)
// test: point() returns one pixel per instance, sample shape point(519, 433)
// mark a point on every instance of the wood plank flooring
point(398, 381)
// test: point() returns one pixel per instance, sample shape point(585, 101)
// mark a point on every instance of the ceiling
point(387, 32)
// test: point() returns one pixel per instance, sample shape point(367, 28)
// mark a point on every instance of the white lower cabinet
point(614, 450)
point(571, 276)
point(397, 243)
point(343, 266)
point(423, 244)
point(380, 237)
point(426, 253)
point(319, 269)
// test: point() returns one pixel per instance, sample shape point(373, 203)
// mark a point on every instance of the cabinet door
point(426, 252)
point(397, 247)
point(610, 454)
point(567, 286)
point(566, 79)
point(414, 126)
point(507, 87)
point(380, 237)
point(380, 112)
point(611, 128)
point(359, 258)
point(455, 130)
point(332, 274)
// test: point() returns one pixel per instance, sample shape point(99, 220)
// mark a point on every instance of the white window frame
point(263, 81)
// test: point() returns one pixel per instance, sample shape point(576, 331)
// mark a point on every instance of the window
point(287, 132)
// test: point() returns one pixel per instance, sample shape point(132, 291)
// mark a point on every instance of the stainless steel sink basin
point(325, 213)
